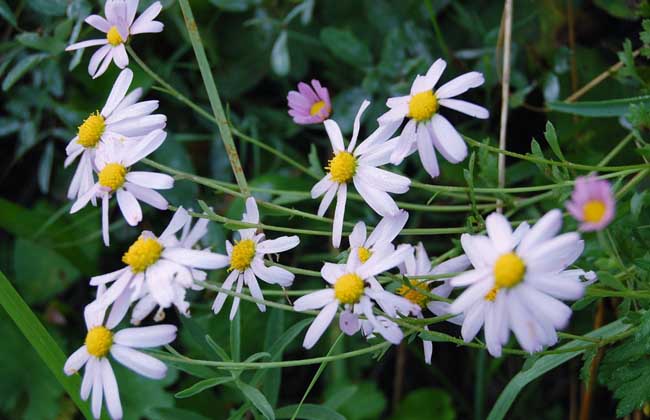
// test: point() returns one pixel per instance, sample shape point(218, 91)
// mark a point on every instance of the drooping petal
point(76, 360)
point(320, 324)
point(118, 91)
point(139, 362)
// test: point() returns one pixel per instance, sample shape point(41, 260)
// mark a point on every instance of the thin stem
point(213, 96)
point(505, 94)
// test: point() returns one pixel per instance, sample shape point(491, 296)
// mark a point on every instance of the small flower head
point(310, 104)
point(592, 203)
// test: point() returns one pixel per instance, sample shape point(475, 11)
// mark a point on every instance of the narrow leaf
point(597, 109)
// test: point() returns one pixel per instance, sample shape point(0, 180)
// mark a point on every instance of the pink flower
point(592, 203)
point(310, 104)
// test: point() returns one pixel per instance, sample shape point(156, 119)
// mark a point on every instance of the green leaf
point(41, 43)
point(308, 412)
point(173, 414)
point(257, 399)
point(419, 404)
point(49, 7)
point(545, 364)
point(551, 138)
point(280, 59)
point(235, 337)
point(346, 46)
point(41, 341)
point(20, 68)
point(232, 5)
point(45, 168)
point(597, 109)
point(7, 14)
point(203, 385)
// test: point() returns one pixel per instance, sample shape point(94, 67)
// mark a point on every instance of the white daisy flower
point(113, 161)
point(359, 165)
point(159, 270)
point(427, 130)
point(119, 25)
point(383, 234)
point(518, 281)
point(352, 289)
point(246, 260)
point(419, 264)
point(121, 345)
point(122, 116)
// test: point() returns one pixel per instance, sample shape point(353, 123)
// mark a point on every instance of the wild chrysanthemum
point(121, 117)
point(419, 264)
point(359, 165)
point(518, 282)
point(113, 161)
point(101, 341)
point(427, 130)
point(592, 203)
point(119, 25)
point(246, 260)
point(310, 104)
point(159, 270)
point(352, 289)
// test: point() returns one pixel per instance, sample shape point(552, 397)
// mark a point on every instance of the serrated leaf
point(598, 109)
point(203, 385)
point(257, 399)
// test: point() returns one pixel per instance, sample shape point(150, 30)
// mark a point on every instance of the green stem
point(213, 96)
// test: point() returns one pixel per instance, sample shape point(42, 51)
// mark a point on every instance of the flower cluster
point(513, 280)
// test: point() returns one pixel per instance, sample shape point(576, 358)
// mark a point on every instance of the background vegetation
point(259, 50)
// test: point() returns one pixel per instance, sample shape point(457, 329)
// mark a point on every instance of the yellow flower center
point(492, 294)
point(316, 108)
point(593, 211)
point(90, 131)
point(348, 288)
point(242, 255)
point(99, 341)
point(364, 254)
point(113, 37)
point(142, 253)
point(509, 270)
point(112, 176)
point(342, 167)
point(423, 105)
point(414, 293)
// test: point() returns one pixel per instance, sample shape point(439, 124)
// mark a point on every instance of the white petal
point(105, 222)
point(84, 44)
point(545, 307)
point(111, 391)
point(470, 277)
point(147, 195)
point(76, 361)
point(377, 264)
point(139, 362)
point(331, 272)
point(120, 57)
point(357, 125)
point(129, 206)
point(320, 324)
point(452, 265)
point(97, 57)
point(314, 300)
point(88, 379)
point(474, 318)
point(524, 326)
point(84, 199)
point(179, 220)
point(281, 244)
point(152, 180)
point(479, 249)
point(545, 228)
point(106, 278)
point(142, 309)
point(465, 107)
point(327, 199)
point(195, 258)
point(98, 390)
point(144, 147)
point(447, 140)
point(404, 143)
point(434, 73)
point(148, 27)
point(358, 236)
point(322, 186)
point(116, 289)
point(136, 110)
point(118, 91)
point(105, 63)
point(334, 134)
point(471, 296)
point(565, 285)
point(141, 24)
point(499, 231)
point(138, 126)
point(235, 300)
point(145, 337)
point(383, 180)
point(460, 85)
point(272, 274)
point(254, 288)
point(119, 308)
point(397, 113)
point(227, 285)
point(379, 201)
point(556, 254)
point(377, 138)
point(427, 152)
point(252, 214)
point(98, 22)
point(339, 213)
